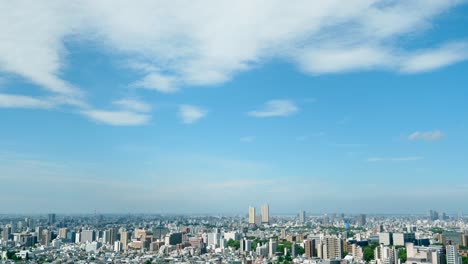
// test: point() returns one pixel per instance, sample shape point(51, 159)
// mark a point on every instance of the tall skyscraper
point(309, 246)
point(452, 255)
point(272, 247)
point(302, 217)
point(51, 220)
point(124, 240)
point(112, 235)
point(88, 236)
point(251, 215)
point(361, 220)
point(265, 214)
point(332, 247)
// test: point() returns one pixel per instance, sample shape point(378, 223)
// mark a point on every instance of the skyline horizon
point(148, 106)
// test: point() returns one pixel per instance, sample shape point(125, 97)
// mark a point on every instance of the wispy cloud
point(22, 101)
point(427, 135)
point(190, 114)
point(433, 59)
point(170, 47)
point(395, 159)
point(133, 105)
point(158, 82)
point(117, 118)
point(275, 108)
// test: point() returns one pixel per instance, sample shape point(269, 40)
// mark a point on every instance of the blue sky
point(321, 106)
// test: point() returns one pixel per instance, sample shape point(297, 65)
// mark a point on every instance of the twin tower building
point(264, 218)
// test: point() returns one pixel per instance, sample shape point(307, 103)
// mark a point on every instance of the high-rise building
point(51, 219)
point(386, 238)
point(283, 233)
point(124, 240)
point(245, 245)
point(46, 237)
point(272, 247)
point(332, 247)
point(400, 239)
point(452, 255)
point(302, 217)
point(118, 246)
point(265, 214)
point(87, 236)
point(251, 215)
point(293, 249)
point(63, 233)
point(451, 237)
point(361, 220)
point(309, 246)
point(112, 235)
point(6, 233)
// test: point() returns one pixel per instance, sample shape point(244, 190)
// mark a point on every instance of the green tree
point(464, 260)
point(233, 243)
point(402, 254)
point(368, 254)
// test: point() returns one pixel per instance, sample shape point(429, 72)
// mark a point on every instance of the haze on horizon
point(209, 107)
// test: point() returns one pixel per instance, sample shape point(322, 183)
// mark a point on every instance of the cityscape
point(234, 131)
point(254, 237)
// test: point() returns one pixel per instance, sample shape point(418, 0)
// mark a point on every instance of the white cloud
point(379, 159)
point(117, 118)
point(328, 60)
point(133, 105)
point(158, 82)
point(216, 42)
point(190, 114)
point(21, 101)
point(433, 59)
point(427, 135)
point(170, 46)
point(276, 108)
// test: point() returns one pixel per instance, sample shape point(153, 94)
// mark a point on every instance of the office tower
point(386, 238)
point(173, 239)
point(245, 245)
point(124, 240)
point(302, 217)
point(283, 233)
point(265, 214)
point(386, 255)
point(51, 220)
point(361, 220)
point(272, 247)
point(400, 239)
point(106, 237)
point(71, 236)
point(332, 247)
point(251, 215)
point(46, 237)
point(213, 238)
point(452, 255)
point(465, 240)
point(112, 235)
point(117, 246)
point(293, 249)
point(87, 236)
point(6, 233)
point(452, 238)
point(309, 246)
point(63, 233)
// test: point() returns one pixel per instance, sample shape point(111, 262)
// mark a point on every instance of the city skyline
point(323, 106)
